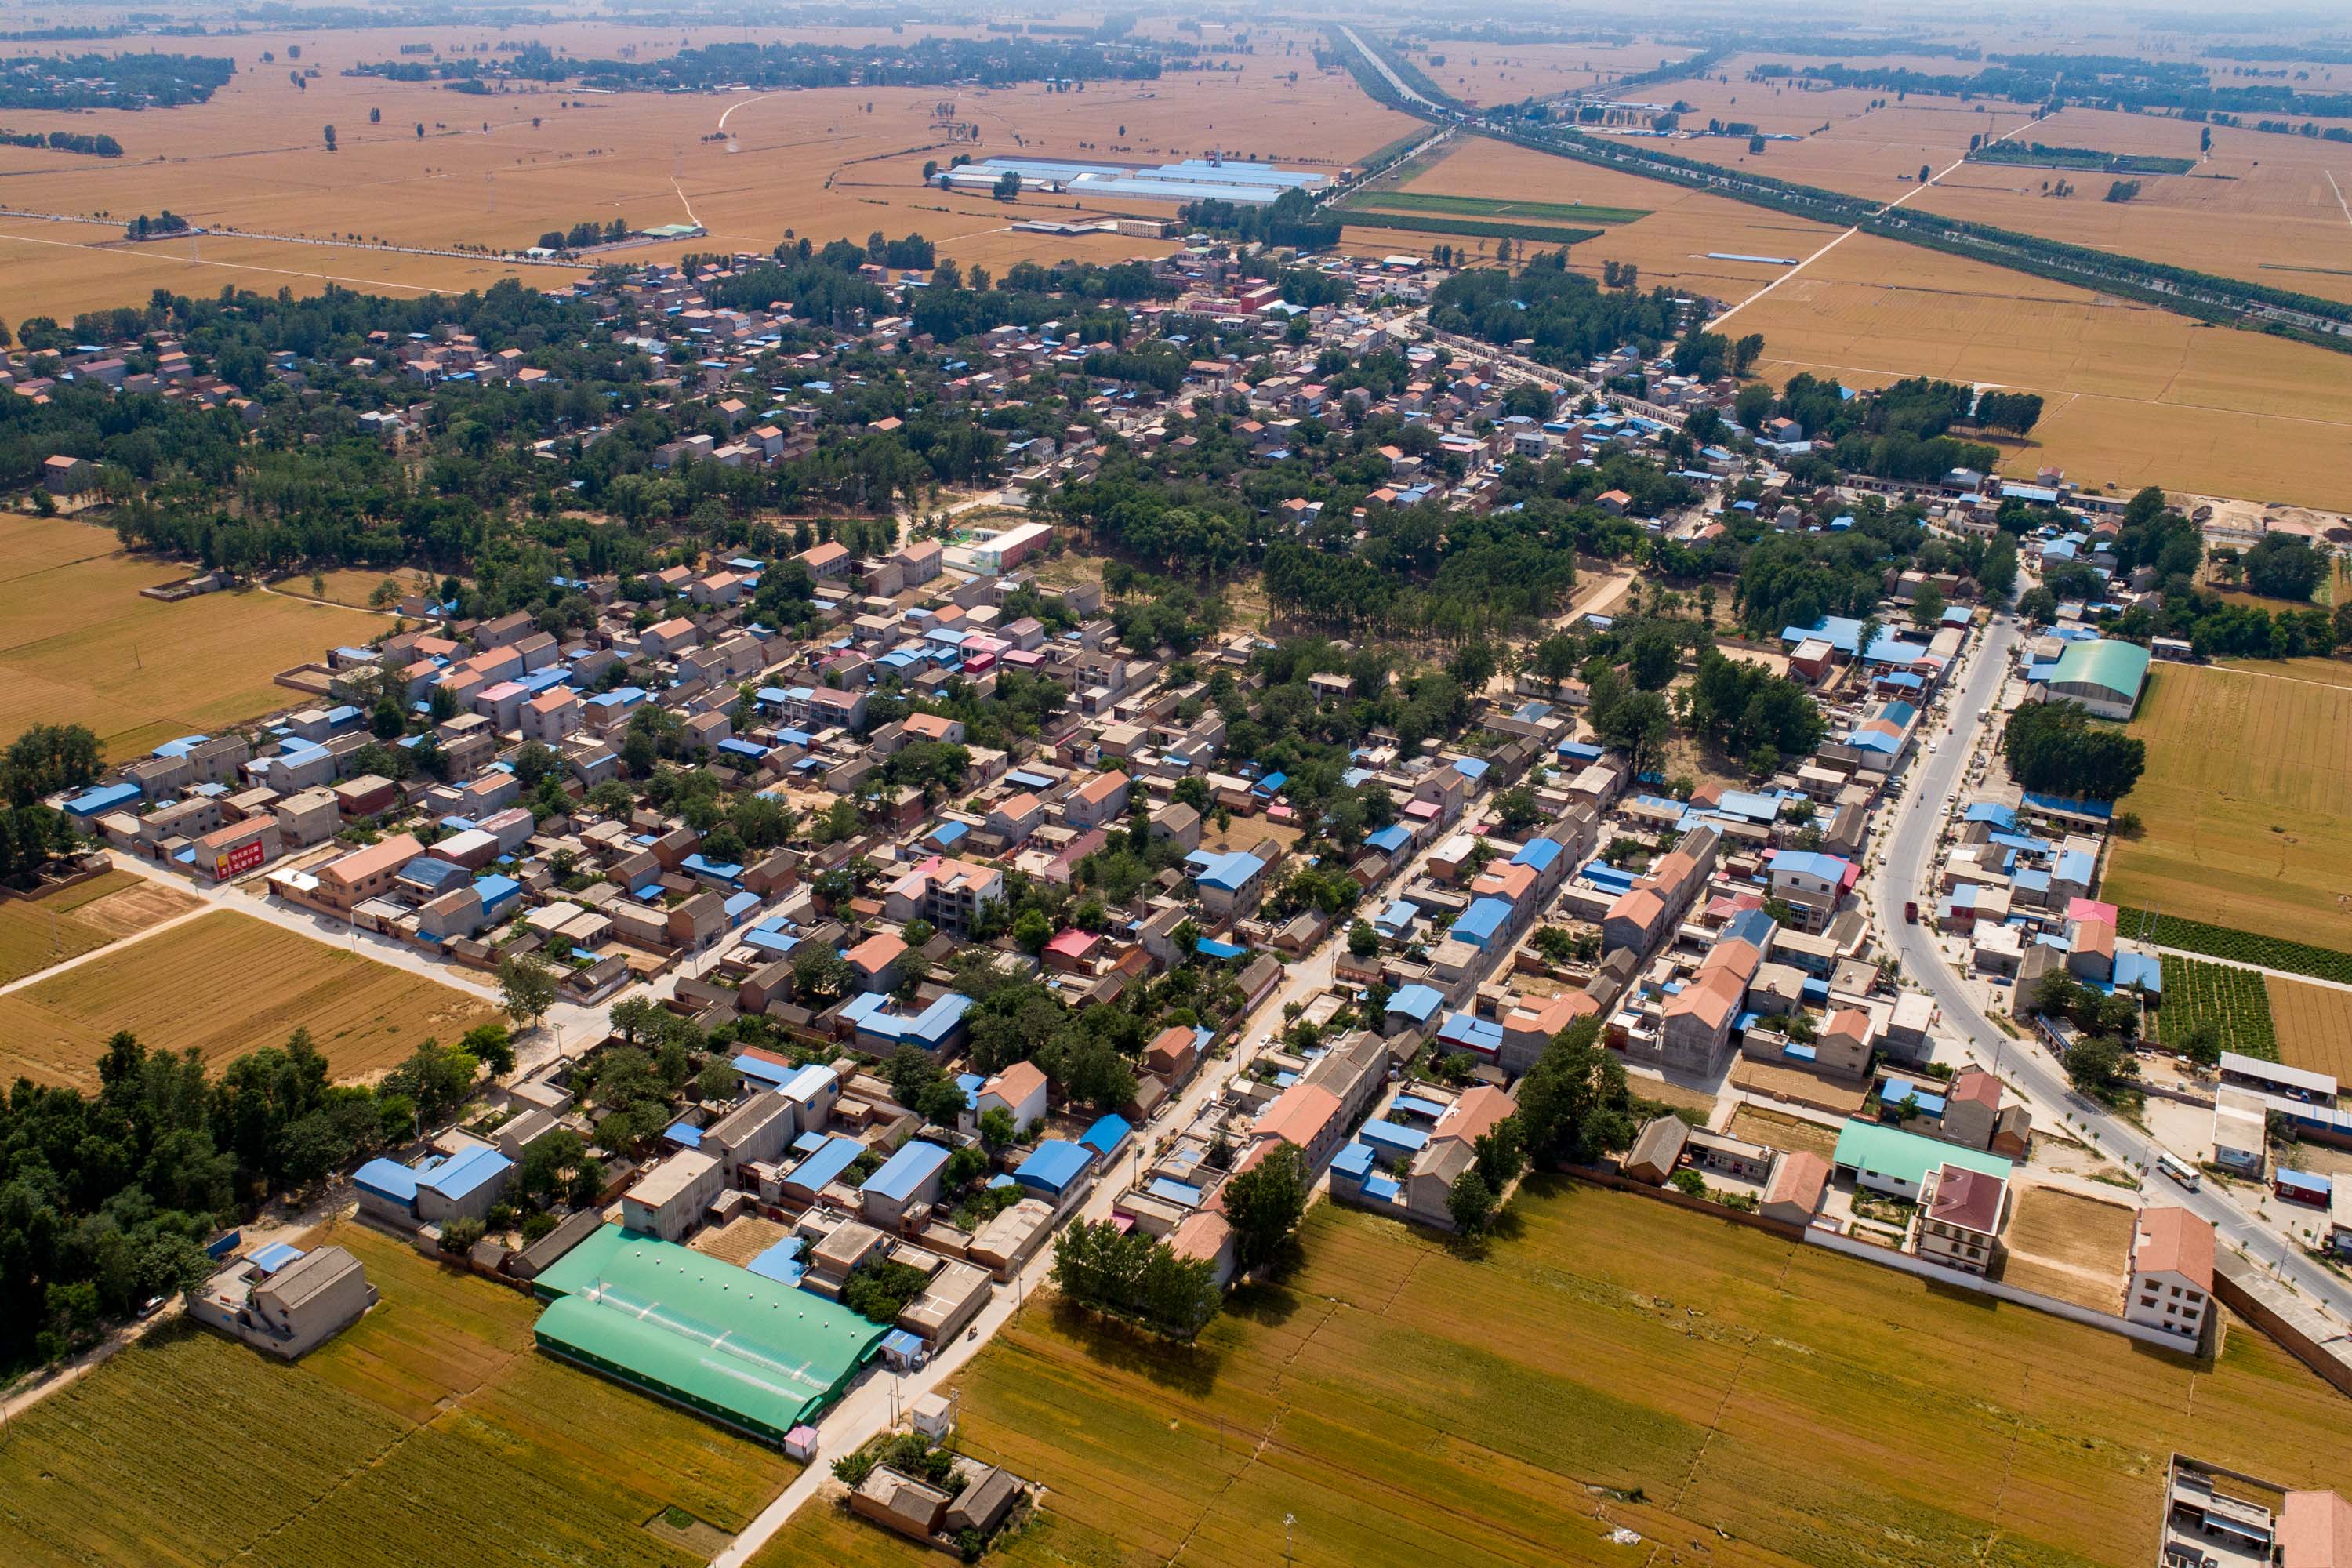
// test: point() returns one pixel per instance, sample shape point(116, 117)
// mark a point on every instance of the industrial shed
point(727, 1344)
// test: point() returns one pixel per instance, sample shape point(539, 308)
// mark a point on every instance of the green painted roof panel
point(2103, 661)
point(719, 1337)
point(1909, 1156)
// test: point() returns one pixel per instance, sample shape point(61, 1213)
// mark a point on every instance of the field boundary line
point(1849, 233)
point(1731, 1386)
point(1273, 1423)
point(2339, 194)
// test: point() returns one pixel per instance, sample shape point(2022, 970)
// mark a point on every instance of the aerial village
point(866, 1144)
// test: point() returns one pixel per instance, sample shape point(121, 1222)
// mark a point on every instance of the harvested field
point(79, 644)
point(1389, 200)
point(1776, 1130)
point(1478, 72)
point(431, 1422)
point(2072, 1230)
point(2247, 803)
point(2135, 395)
point(1670, 245)
point(226, 985)
point(499, 171)
point(37, 932)
point(1774, 1400)
point(2314, 1025)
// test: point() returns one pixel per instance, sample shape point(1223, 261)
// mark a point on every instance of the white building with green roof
point(732, 1346)
point(1888, 1160)
point(2100, 675)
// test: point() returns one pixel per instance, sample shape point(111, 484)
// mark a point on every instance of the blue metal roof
point(1393, 1137)
point(275, 1256)
point(464, 1173)
point(906, 1170)
point(1174, 1191)
point(1053, 1165)
point(387, 1179)
point(1416, 1002)
point(825, 1167)
point(1107, 1134)
point(1482, 922)
point(1540, 853)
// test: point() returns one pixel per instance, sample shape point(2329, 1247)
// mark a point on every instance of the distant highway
point(1394, 80)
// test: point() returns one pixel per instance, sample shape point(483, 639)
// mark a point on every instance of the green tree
point(526, 987)
point(1574, 1104)
point(1470, 1203)
point(490, 1044)
point(1265, 1202)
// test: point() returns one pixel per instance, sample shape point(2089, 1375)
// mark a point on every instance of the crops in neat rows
point(2232, 1000)
point(429, 1432)
point(1610, 1363)
point(2244, 946)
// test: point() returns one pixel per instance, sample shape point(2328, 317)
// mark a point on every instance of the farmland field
point(1729, 1397)
point(2229, 999)
point(1670, 245)
point(499, 170)
point(78, 644)
point(1490, 206)
point(431, 1422)
point(37, 932)
point(226, 985)
point(2247, 803)
point(2314, 1024)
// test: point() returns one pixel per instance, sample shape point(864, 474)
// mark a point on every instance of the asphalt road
point(1901, 876)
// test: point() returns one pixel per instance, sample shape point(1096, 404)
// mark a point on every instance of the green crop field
point(2246, 805)
point(2233, 1000)
point(428, 1433)
point(1490, 206)
point(1470, 227)
point(1613, 1364)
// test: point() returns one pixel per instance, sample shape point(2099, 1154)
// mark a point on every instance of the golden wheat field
point(79, 643)
point(224, 985)
point(499, 170)
point(1726, 1396)
point(429, 1432)
point(2314, 1025)
point(1478, 72)
point(2246, 802)
point(2134, 396)
point(1670, 245)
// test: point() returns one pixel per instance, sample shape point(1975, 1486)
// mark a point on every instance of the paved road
point(1901, 876)
point(1396, 82)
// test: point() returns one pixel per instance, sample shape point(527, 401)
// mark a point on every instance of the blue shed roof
point(1053, 1165)
point(906, 1170)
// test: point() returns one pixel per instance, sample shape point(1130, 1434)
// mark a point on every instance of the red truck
point(1911, 914)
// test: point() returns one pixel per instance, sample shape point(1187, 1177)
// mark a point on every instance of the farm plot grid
point(2230, 1001)
point(224, 985)
point(2247, 799)
point(431, 1422)
point(1728, 1396)
point(35, 933)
